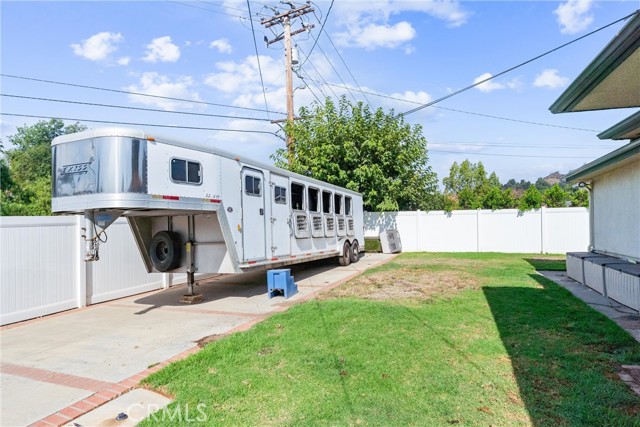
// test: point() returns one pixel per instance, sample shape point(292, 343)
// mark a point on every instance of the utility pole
point(284, 19)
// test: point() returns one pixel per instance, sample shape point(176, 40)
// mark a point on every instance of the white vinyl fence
point(545, 230)
point(43, 271)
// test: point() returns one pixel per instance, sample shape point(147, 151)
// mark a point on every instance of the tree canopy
point(26, 168)
point(372, 152)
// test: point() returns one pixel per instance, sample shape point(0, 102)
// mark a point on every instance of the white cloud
point(491, 85)
point(373, 36)
point(156, 84)
point(368, 24)
point(244, 76)
point(549, 78)
point(124, 60)
point(222, 45)
point(98, 47)
point(573, 16)
point(162, 49)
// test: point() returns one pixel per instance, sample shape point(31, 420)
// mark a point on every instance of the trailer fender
point(165, 250)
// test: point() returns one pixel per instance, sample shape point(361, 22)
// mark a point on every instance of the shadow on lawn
point(547, 264)
point(564, 356)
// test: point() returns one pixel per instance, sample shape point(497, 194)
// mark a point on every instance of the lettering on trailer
point(78, 168)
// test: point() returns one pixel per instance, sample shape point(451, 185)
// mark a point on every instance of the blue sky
point(412, 51)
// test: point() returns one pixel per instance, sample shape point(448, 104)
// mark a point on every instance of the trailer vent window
point(350, 229)
point(347, 206)
point(314, 206)
point(326, 202)
point(301, 223)
point(341, 224)
point(317, 223)
point(297, 197)
point(186, 171)
point(252, 185)
point(280, 195)
point(330, 225)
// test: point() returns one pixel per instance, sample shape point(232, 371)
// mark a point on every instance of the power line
point(429, 104)
point(137, 124)
point(255, 45)
point(538, 147)
point(336, 71)
point(137, 93)
point(466, 153)
point(131, 108)
point(347, 67)
point(210, 10)
point(315, 40)
point(467, 112)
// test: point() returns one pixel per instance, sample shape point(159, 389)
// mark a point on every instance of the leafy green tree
point(472, 189)
point(531, 199)
point(26, 176)
point(579, 198)
point(555, 197)
point(542, 185)
point(372, 152)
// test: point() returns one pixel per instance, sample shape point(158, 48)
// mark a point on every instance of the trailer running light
point(212, 200)
point(252, 262)
point(274, 259)
point(170, 198)
point(150, 138)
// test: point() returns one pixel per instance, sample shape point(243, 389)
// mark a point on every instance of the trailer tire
point(345, 259)
point(354, 253)
point(165, 250)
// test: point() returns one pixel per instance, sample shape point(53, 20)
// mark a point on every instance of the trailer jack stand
point(190, 297)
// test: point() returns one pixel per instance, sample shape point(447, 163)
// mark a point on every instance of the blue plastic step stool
point(281, 281)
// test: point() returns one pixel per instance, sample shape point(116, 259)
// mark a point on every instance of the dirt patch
point(405, 284)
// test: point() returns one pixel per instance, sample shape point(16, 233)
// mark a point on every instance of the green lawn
point(424, 340)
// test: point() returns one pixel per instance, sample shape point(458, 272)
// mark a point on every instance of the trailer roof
point(200, 146)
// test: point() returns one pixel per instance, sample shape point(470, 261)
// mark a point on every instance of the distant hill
point(554, 178)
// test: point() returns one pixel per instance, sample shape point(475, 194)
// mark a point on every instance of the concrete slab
point(25, 401)
point(71, 355)
point(137, 404)
point(627, 318)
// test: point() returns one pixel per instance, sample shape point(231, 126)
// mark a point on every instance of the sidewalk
point(59, 367)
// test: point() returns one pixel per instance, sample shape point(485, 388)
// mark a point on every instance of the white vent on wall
point(390, 241)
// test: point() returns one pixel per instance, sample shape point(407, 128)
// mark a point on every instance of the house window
point(347, 205)
point(186, 172)
point(337, 202)
point(252, 185)
point(314, 205)
point(280, 195)
point(326, 202)
point(297, 196)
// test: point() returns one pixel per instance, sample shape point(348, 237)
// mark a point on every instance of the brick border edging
point(66, 415)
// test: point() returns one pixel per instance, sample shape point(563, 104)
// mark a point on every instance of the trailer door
point(253, 216)
point(280, 216)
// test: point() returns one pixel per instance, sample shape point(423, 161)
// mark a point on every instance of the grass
point(424, 340)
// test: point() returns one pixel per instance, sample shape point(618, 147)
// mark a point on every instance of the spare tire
point(165, 250)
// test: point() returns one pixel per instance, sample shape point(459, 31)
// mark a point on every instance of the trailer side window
point(280, 195)
point(326, 202)
point(347, 205)
point(297, 196)
point(338, 203)
point(314, 205)
point(252, 185)
point(186, 171)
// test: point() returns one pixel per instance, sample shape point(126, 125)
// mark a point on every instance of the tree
point(26, 171)
point(372, 152)
point(531, 199)
point(555, 197)
point(579, 198)
point(471, 187)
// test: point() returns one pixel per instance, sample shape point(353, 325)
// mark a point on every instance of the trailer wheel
point(354, 253)
point(165, 250)
point(345, 259)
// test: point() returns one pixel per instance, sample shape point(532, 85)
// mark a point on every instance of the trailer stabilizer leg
point(190, 297)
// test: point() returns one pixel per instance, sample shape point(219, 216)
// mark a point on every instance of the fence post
point(477, 230)
point(167, 280)
point(418, 244)
point(81, 265)
point(543, 214)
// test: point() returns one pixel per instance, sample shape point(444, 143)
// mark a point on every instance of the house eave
point(612, 160)
point(629, 128)
point(611, 58)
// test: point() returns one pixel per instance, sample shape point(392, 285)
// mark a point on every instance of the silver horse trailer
point(196, 209)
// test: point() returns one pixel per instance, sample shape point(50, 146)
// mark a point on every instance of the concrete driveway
point(59, 367)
